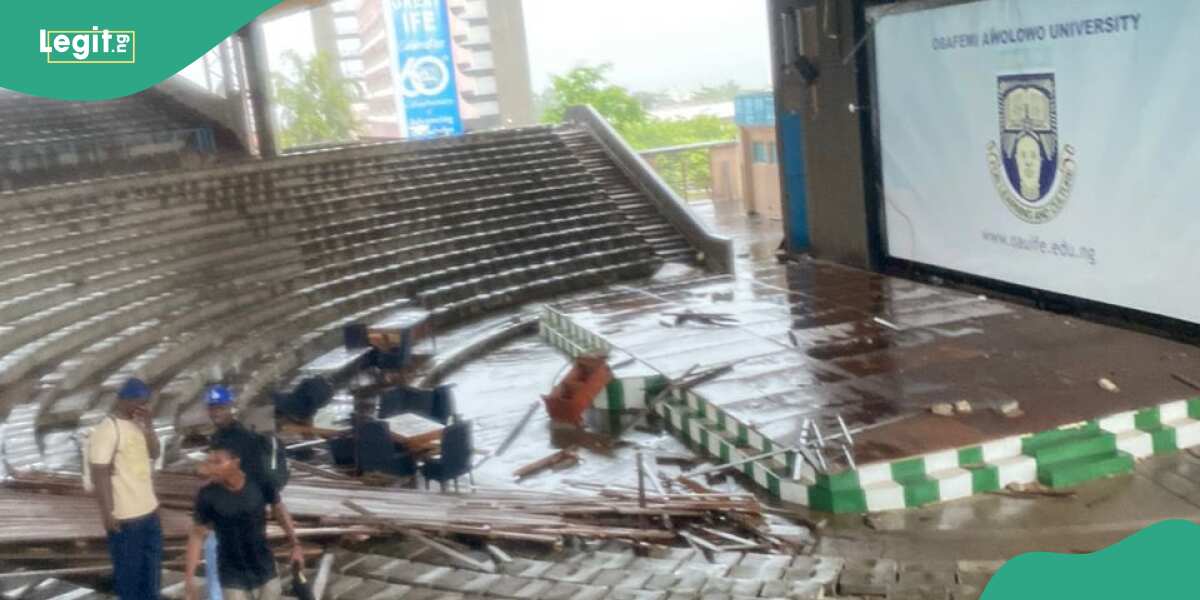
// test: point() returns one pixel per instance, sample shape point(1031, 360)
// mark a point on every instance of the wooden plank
point(450, 552)
point(545, 462)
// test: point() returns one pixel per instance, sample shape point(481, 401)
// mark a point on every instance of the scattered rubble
point(942, 409)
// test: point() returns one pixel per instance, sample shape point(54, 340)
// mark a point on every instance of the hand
point(111, 524)
point(297, 557)
point(141, 416)
point(189, 589)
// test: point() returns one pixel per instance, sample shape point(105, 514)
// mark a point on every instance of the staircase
point(668, 243)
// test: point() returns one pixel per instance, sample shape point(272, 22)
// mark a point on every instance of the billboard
point(1047, 144)
point(423, 69)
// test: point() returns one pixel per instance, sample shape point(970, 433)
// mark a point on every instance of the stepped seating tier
point(245, 273)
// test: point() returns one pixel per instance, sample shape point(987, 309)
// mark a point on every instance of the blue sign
point(425, 68)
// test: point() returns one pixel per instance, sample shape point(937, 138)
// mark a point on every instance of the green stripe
point(837, 501)
point(970, 456)
point(920, 492)
point(616, 395)
point(912, 468)
point(1164, 440)
point(773, 483)
point(985, 479)
point(1147, 420)
point(1194, 408)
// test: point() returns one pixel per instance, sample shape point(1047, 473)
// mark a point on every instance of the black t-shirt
point(249, 448)
point(240, 520)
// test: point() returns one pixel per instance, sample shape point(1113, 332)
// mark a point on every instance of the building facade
point(748, 173)
point(439, 67)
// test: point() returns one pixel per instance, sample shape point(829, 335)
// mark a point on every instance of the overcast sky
point(653, 45)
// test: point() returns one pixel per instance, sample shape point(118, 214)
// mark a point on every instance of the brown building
point(748, 172)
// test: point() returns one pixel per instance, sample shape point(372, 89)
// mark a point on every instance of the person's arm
point(102, 482)
point(146, 423)
point(195, 546)
point(102, 447)
point(289, 529)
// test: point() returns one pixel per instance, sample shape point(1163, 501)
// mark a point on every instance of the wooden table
point(419, 434)
point(416, 432)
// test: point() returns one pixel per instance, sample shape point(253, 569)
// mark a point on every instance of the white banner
point(1053, 144)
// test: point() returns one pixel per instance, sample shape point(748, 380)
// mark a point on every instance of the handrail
point(686, 148)
point(717, 250)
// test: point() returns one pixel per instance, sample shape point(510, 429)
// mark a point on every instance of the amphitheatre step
point(1069, 444)
point(1071, 472)
point(280, 253)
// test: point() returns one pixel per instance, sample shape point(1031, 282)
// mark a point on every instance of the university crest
point(1031, 173)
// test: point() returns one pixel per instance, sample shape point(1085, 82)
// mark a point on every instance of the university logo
point(1032, 174)
point(88, 46)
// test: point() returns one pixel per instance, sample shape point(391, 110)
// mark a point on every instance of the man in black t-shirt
point(236, 510)
point(247, 445)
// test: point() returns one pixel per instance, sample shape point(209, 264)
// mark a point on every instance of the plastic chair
point(341, 449)
point(455, 459)
point(443, 404)
point(354, 336)
point(377, 453)
point(405, 399)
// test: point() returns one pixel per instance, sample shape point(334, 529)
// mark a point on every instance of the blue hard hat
point(218, 395)
point(134, 389)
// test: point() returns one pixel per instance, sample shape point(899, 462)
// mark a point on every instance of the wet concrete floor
point(497, 389)
point(814, 340)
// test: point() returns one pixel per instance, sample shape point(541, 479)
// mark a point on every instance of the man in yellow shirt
point(121, 452)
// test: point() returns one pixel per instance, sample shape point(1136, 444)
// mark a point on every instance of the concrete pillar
point(325, 34)
point(510, 53)
point(258, 86)
point(840, 212)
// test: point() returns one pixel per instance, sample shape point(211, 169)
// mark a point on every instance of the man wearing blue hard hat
point(121, 451)
point(247, 445)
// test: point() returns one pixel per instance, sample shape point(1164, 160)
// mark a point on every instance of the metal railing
point(717, 249)
point(686, 168)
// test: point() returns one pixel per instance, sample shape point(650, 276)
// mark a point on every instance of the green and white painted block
point(1129, 438)
point(1181, 417)
point(880, 491)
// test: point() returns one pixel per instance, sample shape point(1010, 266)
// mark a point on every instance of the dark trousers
point(136, 551)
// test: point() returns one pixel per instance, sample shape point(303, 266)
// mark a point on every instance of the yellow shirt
point(133, 488)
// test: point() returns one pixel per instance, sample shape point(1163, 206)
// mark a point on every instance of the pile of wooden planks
point(328, 507)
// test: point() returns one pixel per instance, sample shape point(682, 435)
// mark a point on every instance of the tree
point(590, 85)
point(686, 170)
point(624, 110)
point(314, 101)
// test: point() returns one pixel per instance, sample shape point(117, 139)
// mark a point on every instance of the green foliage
point(590, 85)
point(659, 133)
point(315, 102)
point(686, 171)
